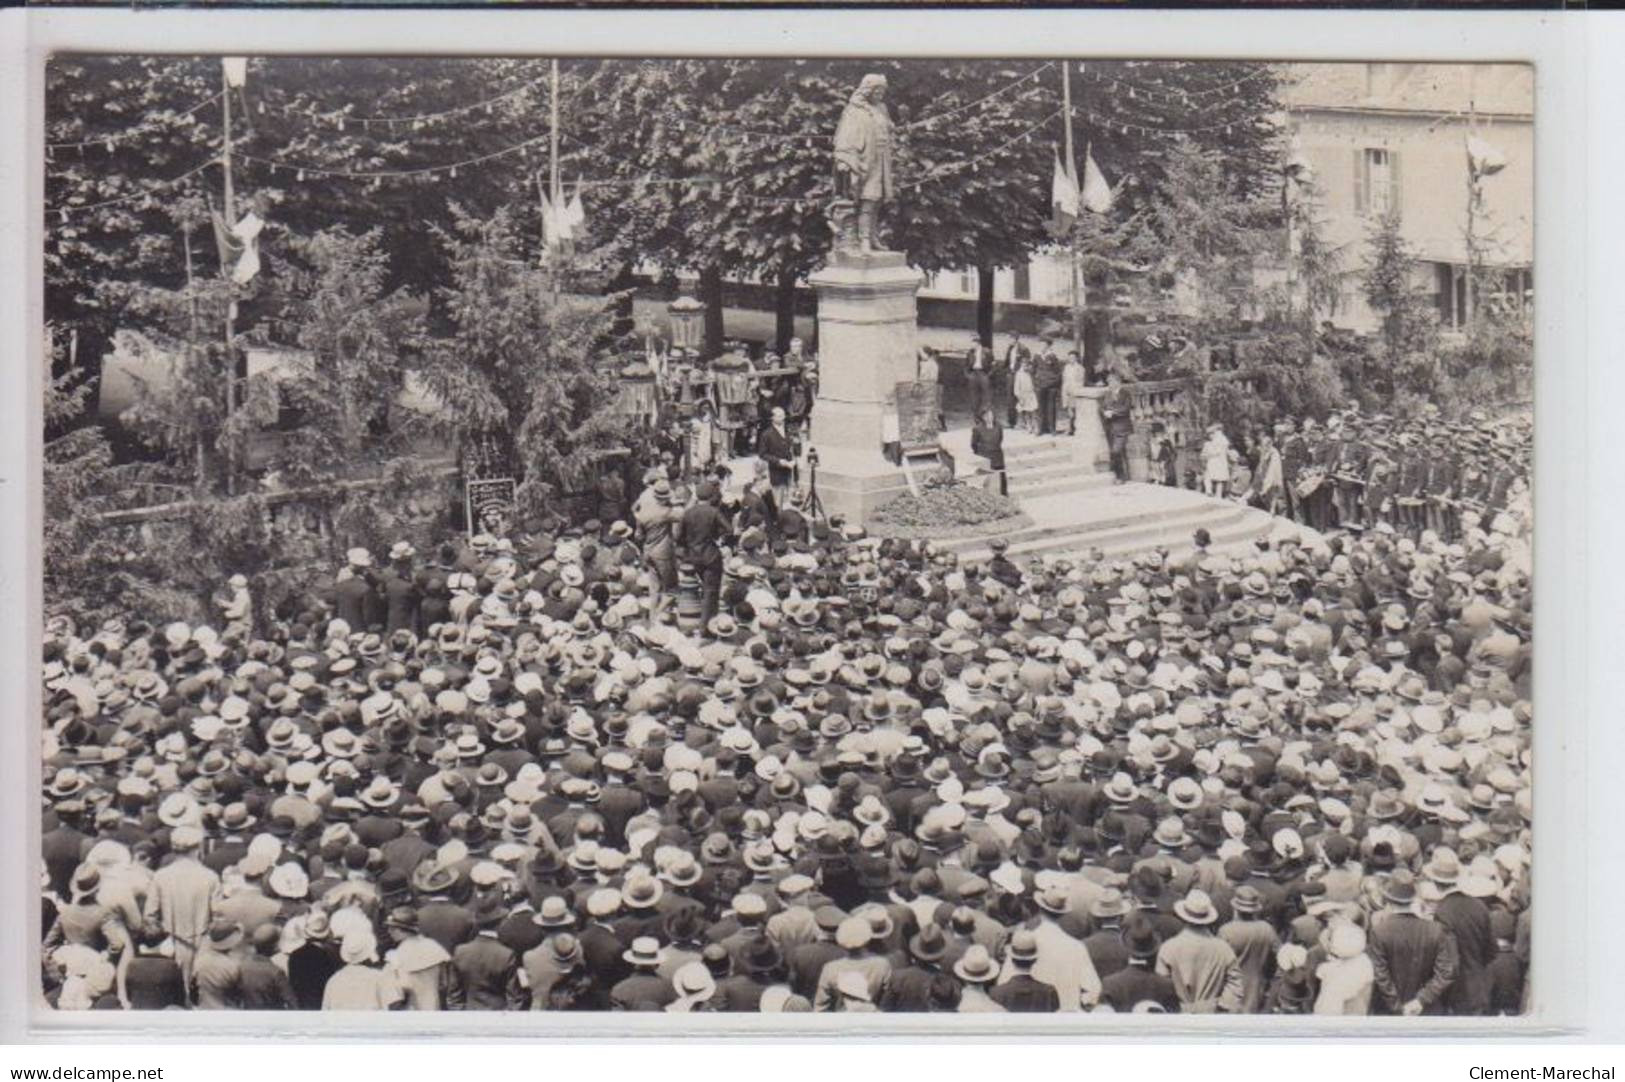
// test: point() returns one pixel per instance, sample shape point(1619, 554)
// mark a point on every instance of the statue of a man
point(863, 156)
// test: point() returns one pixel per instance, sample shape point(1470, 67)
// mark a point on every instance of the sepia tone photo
point(775, 536)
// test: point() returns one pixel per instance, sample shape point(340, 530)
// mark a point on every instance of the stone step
point(1025, 452)
point(1074, 482)
point(1052, 530)
point(1129, 541)
point(1170, 530)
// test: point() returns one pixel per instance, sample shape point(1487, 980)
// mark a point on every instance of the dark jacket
point(1413, 959)
point(775, 447)
point(1138, 984)
point(700, 532)
point(486, 969)
point(988, 441)
point(1027, 993)
point(265, 987)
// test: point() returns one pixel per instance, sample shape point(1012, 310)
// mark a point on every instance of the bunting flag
point(575, 211)
point(1063, 198)
point(239, 245)
point(247, 233)
point(236, 70)
point(558, 227)
point(1484, 159)
point(1097, 194)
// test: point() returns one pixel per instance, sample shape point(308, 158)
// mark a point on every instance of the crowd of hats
point(872, 752)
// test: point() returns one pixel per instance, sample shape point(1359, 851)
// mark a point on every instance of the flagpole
point(553, 163)
point(232, 385)
point(1072, 237)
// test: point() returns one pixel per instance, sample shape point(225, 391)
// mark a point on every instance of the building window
point(967, 281)
point(1376, 181)
point(1023, 289)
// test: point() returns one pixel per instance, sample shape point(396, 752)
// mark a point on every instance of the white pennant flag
point(556, 225)
point(575, 212)
point(1063, 198)
point(1097, 194)
point(1485, 159)
point(247, 233)
point(236, 70)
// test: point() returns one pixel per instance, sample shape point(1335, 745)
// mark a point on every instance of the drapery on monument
point(863, 165)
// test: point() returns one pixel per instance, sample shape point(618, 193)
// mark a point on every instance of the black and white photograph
point(759, 535)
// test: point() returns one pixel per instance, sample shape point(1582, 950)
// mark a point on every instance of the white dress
point(1216, 458)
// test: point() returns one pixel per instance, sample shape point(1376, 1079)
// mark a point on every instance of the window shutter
point(1394, 185)
point(1361, 203)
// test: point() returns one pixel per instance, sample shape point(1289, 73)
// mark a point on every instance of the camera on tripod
point(812, 456)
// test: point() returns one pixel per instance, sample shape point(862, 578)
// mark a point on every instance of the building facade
point(1394, 137)
point(1376, 137)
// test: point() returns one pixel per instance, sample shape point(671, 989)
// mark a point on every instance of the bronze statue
point(863, 164)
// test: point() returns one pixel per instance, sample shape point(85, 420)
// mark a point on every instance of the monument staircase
point(1075, 508)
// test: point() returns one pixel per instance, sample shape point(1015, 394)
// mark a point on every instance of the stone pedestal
point(867, 344)
point(1092, 450)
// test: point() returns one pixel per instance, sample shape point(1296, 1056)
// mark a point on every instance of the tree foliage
point(1410, 326)
point(1211, 232)
point(520, 362)
point(356, 342)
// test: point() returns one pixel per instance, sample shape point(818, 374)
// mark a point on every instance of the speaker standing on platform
point(1116, 415)
point(777, 450)
point(978, 365)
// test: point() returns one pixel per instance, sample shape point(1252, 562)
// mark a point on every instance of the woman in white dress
point(1216, 463)
point(1026, 392)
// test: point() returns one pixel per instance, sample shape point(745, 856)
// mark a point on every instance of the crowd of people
point(528, 772)
point(1358, 471)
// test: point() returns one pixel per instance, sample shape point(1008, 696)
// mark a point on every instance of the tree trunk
point(984, 305)
point(711, 296)
point(785, 310)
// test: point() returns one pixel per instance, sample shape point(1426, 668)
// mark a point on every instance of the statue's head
point(872, 88)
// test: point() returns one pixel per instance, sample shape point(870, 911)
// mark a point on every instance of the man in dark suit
point(354, 599)
point(1004, 403)
point(402, 591)
point(700, 534)
point(1118, 420)
point(987, 440)
point(63, 847)
point(1138, 982)
point(643, 986)
point(979, 376)
point(264, 986)
point(1108, 946)
point(486, 968)
point(1468, 920)
point(909, 988)
point(1047, 381)
point(775, 448)
point(153, 982)
point(1023, 991)
point(1414, 959)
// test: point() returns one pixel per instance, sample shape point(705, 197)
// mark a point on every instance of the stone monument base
point(855, 484)
point(1092, 449)
point(866, 346)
